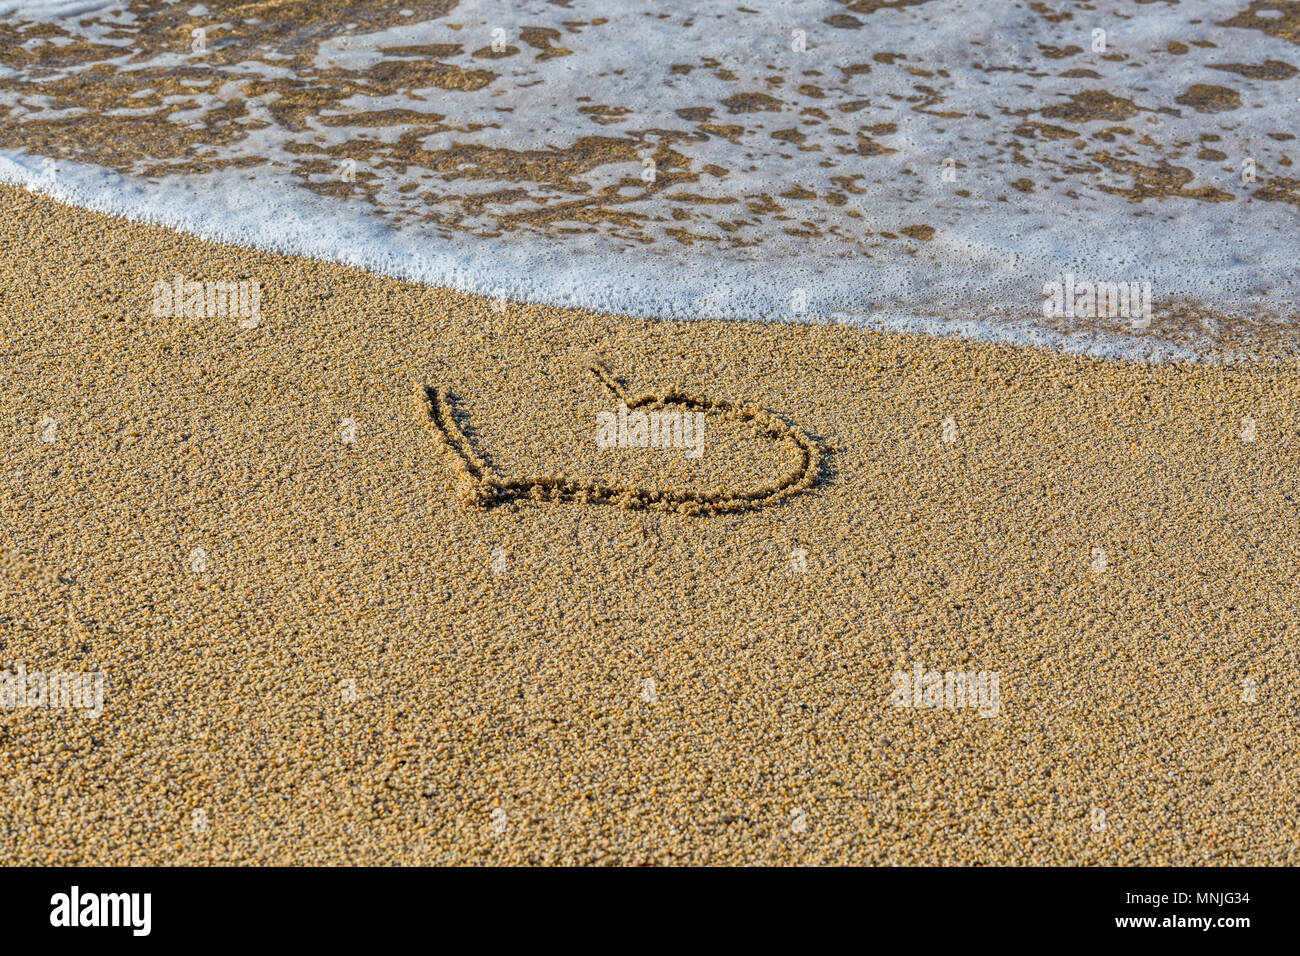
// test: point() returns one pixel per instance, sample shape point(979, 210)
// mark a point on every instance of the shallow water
point(916, 164)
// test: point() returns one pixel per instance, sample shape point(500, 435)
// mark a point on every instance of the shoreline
point(1183, 329)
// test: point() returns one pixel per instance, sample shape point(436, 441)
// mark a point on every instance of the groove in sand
point(484, 488)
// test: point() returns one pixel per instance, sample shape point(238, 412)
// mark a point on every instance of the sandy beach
point(314, 650)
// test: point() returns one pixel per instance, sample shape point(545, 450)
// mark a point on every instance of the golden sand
point(315, 651)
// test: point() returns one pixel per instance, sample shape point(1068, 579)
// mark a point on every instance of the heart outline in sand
point(484, 488)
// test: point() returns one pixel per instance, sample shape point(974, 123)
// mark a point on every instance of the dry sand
point(354, 673)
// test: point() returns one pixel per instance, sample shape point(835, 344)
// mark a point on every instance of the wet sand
point(315, 650)
point(906, 166)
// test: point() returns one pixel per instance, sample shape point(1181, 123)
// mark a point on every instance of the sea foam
point(929, 166)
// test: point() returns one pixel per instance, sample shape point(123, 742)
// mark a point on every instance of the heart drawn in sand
point(484, 488)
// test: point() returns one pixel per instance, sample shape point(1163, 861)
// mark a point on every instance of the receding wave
point(991, 170)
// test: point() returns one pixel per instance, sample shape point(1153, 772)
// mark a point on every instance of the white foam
point(993, 249)
point(45, 10)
